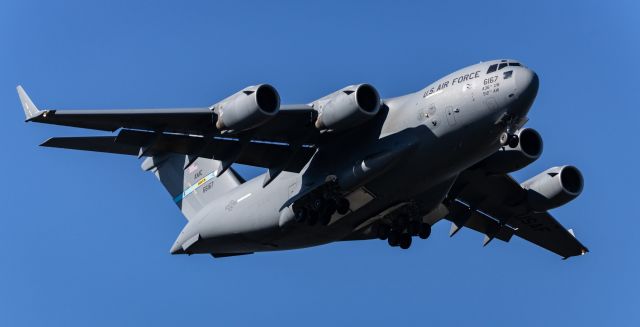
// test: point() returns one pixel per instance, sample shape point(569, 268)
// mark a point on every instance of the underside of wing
point(250, 127)
point(497, 206)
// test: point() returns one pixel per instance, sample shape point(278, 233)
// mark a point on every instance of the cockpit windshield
point(501, 65)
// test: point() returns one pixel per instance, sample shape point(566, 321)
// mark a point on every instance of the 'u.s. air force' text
point(456, 80)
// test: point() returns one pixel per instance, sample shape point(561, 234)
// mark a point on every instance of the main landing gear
point(401, 231)
point(320, 210)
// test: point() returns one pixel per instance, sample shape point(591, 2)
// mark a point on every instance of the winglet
point(30, 109)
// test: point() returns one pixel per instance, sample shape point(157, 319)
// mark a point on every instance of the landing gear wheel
point(312, 217)
point(510, 140)
point(414, 228)
point(329, 207)
point(318, 204)
point(325, 218)
point(402, 222)
point(394, 239)
point(343, 206)
point(383, 231)
point(504, 139)
point(514, 140)
point(405, 241)
point(300, 215)
point(425, 231)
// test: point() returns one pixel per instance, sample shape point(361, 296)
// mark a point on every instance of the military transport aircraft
point(348, 166)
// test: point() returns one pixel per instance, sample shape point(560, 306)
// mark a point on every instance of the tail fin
point(191, 188)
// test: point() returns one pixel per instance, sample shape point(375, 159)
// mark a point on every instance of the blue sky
point(86, 236)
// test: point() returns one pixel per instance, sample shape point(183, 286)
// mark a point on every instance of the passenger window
point(492, 68)
point(502, 65)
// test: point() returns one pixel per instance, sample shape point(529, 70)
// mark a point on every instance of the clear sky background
point(85, 237)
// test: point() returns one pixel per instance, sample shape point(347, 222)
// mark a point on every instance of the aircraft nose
point(527, 84)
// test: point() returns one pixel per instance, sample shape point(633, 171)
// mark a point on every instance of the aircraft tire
point(329, 206)
point(312, 217)
point(402, 222)
point(382, 231)
point(300, 215)
point(425, 231)
point(405, 241)
point(325, 218)
point(504, 139)
point(343, 206)
point(413, 228)
point(514, 140)
point(394, 239)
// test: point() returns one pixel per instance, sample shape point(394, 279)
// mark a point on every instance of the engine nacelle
point(509, 159)
point(346, 108)
point(553, 187)
point(247, 109)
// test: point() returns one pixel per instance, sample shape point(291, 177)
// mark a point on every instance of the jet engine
point(553, 187)
point(346, 108)
point(247, 109)
point(509, 159)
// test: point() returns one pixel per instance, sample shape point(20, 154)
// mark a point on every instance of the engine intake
point(509, 159)
point(248, 108)
point(346, 108)
point(554, 187)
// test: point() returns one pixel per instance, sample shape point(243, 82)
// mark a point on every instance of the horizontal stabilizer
point(91, 143)
point(135, 143)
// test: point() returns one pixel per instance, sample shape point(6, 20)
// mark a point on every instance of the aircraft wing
point(283, 143)
point(292, 124)
point(494, 206)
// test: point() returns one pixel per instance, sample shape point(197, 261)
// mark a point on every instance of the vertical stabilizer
point(194, 187)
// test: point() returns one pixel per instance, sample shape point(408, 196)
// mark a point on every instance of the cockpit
point(502, 64)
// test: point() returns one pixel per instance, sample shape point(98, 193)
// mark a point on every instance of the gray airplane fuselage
point(427, 138)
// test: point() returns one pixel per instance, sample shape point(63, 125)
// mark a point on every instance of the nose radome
point(527, 83)
point(527, 88)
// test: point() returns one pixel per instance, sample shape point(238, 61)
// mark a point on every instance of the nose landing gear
point(509, 139)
